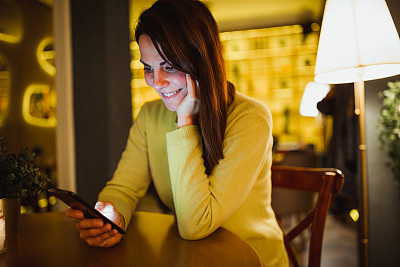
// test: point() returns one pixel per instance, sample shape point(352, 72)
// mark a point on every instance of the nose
point(160, 80)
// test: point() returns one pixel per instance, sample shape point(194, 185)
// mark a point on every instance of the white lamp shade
point(358, 40)
point(313, 93)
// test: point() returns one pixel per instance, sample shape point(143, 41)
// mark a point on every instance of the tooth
point(170, 94)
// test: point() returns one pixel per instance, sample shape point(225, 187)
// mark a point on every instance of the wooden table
point(152, 239)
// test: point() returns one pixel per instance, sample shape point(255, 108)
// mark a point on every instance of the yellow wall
point(29, 23)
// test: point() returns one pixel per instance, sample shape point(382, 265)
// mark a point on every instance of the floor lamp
point(358, 42)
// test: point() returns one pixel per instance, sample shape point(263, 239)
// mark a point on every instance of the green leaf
point(18, 175)
point(389, 126)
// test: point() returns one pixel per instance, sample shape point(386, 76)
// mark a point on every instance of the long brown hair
point(186, 34)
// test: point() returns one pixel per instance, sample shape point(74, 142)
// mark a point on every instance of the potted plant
point(389, 126)
point(19, 178)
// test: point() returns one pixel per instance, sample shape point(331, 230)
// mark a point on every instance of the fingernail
point(98, 206)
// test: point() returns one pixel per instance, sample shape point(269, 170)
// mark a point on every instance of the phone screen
point(75, 202)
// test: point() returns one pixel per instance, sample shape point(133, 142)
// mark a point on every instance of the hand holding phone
point(75, 202)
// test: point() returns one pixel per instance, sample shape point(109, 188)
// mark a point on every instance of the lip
point(170, 95)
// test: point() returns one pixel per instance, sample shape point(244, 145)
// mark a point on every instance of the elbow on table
point(195, 226)
point(192, 233)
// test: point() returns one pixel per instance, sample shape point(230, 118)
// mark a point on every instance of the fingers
point(73, 213)
point(97, 234)
point(191, 85)
point(105, 240)
point(107, 209)
point(92, 227)
point(94, 231)
point(90, 223)
point(99, 205)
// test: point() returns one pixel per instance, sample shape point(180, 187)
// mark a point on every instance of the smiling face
point(169, 83)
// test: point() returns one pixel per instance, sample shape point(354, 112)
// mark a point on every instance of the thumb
point(99, 206)
point(191, 86)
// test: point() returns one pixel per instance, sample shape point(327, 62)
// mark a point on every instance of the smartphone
point(75, 202)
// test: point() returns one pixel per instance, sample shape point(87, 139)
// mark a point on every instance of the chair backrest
point(327, 182)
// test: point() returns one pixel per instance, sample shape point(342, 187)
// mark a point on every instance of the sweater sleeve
point(132, 176)
point(203, 203)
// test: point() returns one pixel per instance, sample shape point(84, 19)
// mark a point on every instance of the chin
point(170, 107)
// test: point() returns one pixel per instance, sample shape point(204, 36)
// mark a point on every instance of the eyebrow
point(161, 64)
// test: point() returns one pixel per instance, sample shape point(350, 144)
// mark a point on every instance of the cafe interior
point(71, 84)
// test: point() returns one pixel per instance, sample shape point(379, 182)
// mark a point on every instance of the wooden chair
point(327, 183)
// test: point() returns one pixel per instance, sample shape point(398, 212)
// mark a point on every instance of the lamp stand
point(359, 97)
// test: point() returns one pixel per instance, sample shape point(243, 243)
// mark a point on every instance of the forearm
point(131, 178)
point(203, 203)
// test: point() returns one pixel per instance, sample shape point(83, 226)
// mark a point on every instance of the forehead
point(147, 49)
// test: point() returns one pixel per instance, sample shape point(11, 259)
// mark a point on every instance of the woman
point(206, 149)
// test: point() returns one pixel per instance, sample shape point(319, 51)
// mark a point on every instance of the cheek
point(180, 79)
point(149, 79)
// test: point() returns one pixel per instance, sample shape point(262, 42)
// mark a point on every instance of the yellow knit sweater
point(236, 196)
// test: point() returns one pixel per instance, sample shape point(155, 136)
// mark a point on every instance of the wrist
point(121, 221)
point(186, 122)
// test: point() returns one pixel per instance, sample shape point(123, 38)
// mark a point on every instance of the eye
point(169, 68)
point(147, 69)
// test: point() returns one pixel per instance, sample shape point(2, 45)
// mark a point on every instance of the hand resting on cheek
point(189, 107)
